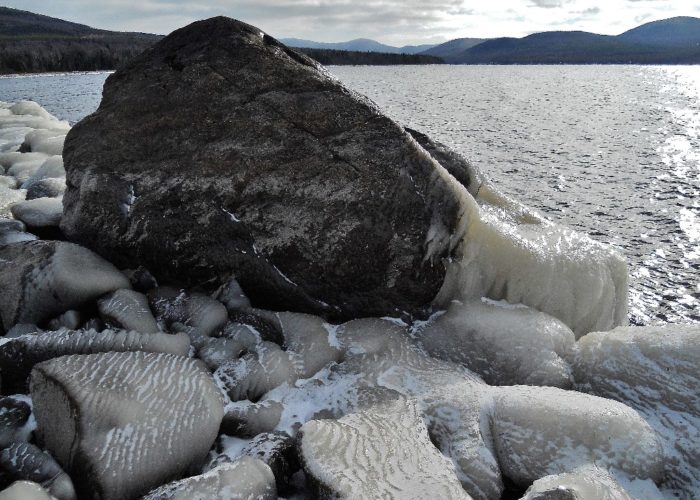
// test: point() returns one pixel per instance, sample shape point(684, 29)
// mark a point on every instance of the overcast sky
point(396, 22)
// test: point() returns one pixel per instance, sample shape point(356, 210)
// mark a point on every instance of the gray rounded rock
point(39, 212)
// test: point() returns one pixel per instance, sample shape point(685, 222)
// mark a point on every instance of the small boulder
point(41, 279)
point(25, 490)
point(39, 212)
point(383, 451)
point(124, 423)
point(46, 188)
point(24, 461)
point(19, 355)
point(656, 371)
point(244, 479)
point(14, 417)
point(276, 449)
point(129, 310)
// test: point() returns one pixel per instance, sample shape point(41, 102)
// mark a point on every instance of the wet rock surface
point(306, 192)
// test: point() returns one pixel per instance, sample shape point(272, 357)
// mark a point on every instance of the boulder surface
point(221, 152)
point(40, 279)
point(124, 423)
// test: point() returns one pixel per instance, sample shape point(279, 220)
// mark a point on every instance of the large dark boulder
point(221, 152)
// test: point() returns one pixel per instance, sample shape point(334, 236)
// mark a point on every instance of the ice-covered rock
point(25, 165)
point(47, 141)
point(539, 431)
point(655, 370)
point(276, 449)
point(45, 188)
point(488, 432)
point(381, 452)
point(218, 351)
point(49, 180)
point(39, 212)
point(124, 423)
point(505, 344)
point(588, 483)
point(19, 355)
point(232, 296)
point(129, 310)
point(304, 191)
point(40, 279)
point(70, 320)
point(9, 237)
point(308, 337)
point(25, 490)
point(308, 344)
point(8, 197)
point(24, 461)
point(200, 315)
point(13, 231)
point(14, 421)
point(52, 168)
point(244, 479)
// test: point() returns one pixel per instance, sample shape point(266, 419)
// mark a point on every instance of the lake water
point(613, 151)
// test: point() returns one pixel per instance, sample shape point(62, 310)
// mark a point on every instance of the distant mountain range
point(33, 43)
point(357, 45)
point(671, 41)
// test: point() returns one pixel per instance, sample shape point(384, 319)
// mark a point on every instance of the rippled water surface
point(610, 150)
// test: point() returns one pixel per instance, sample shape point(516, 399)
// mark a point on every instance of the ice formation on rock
point(505, 345)
point(24, 461)
point(25, 490)
point(124, 423)
point(19, 355)
point(197, 314)
point(128, 309)
point(14, 420)
point(540, 431)
point(655, 370)
point(29, 137)
point(589, 483)
point(39, 212)
point(13, 231)
point(508, 252)
point(276, 449)
point(246, 478)
point(472, 423)
point(383, 451)
point(39, 279)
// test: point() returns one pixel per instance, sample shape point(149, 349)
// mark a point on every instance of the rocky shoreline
point(239, 279)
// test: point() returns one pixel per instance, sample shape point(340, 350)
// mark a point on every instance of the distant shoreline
point(95, 72)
